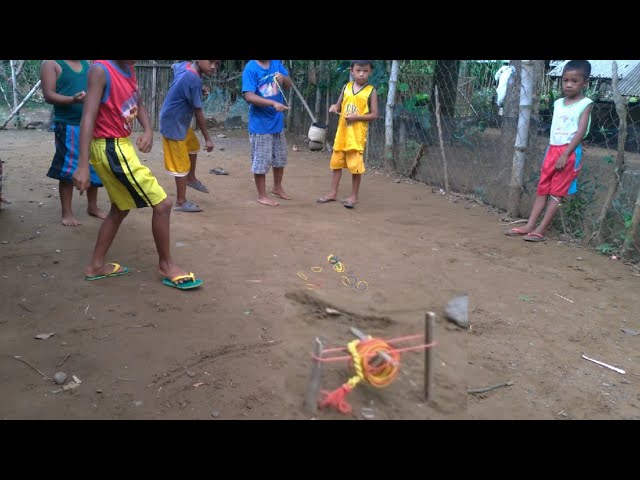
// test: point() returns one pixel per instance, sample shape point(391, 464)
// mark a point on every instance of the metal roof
point(628, 74)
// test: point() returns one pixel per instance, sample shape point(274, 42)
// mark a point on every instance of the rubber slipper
point(113, 273)
point(192, 283)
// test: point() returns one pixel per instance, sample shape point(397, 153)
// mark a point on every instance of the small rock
point(60, 378)
point(99, 390)
point(579, 258)
point(44, 336)
point(397, 180)
point(4, 242)
point(58, 250)
point(191, 374)
point(137, 403)
point(630, 331)
point(222, 149)
point(457, 311)
point(367, 413)
point(215, 414)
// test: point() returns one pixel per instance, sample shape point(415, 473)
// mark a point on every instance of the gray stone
point(457, 311)
point(60, 378)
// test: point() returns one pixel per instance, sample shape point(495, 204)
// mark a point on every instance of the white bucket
point(317, 133)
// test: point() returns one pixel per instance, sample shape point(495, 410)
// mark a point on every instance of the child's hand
point(278, 77)
point(280, 107)
point(145, 142)
point(81, 179)
point(333, 108)
point(351, 117)
point(79, 97)
point(209, 145)
point(562, 161)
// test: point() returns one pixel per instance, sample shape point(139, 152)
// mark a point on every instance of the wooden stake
point(416, 162)
point(429, 354)
point(315, 379)
point(444, 157)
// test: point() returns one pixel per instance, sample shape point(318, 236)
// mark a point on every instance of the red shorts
point(558, 182)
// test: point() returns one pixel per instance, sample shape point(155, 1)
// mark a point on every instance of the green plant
point(606, 249)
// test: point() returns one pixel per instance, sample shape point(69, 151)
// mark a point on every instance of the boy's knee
point(116, 212)
point(164, 207)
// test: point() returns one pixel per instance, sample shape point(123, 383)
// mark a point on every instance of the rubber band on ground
point(316, 269)
point(366, 285)
point(302, 275)
point(345, 281)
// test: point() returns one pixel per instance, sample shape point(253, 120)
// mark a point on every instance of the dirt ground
point(239, 348)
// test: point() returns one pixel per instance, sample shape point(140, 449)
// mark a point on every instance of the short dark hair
point(581, 65)
point(362, 62)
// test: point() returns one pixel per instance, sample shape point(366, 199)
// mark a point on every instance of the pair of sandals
point(189, 280)
point(527, 236)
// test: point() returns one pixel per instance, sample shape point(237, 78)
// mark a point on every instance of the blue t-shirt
point(258, 80)
point(183, 97)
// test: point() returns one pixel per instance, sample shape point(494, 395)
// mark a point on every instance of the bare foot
point(280, 193)
point(172, 271)
point(267, 201)
point(327, 197)
point(517, 231)
point(70, 221)
point(96, 212)
point(102, 270)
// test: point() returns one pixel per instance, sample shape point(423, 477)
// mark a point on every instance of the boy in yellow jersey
point(357, 106)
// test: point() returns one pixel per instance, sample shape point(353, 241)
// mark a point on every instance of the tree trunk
point(14, 85)
point(509, 121)
point(440, 140)
point(631, 242)
point(616, 179)
point(388, 121)
point(522, 138)
point(319, 90)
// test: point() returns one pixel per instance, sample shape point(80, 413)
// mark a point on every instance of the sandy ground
point(240, 347)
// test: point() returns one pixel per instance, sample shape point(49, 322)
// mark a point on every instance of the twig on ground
point(489, 388)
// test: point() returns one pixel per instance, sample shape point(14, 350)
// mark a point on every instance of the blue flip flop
point(113, 273)
point(173, 282)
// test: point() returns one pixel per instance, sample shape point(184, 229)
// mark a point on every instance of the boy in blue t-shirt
point(179, 143)
point(262, 83)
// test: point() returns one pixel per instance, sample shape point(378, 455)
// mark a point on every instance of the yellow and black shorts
point(128, 183)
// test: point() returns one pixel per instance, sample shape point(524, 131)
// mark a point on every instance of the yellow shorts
point(128, 183)
point(351, 159)
point(176, 154)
